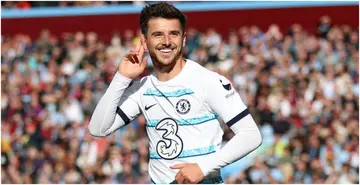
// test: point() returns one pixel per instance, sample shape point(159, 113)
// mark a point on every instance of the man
point(181, 103)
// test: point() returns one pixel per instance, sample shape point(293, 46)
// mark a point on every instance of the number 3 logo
point(171, 145)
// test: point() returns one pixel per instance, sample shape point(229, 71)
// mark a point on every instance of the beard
point(165, 63)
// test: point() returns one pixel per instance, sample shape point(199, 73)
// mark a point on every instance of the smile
point(165, 51)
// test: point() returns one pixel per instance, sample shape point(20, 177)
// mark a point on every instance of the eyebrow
point(173, 31)
point(156, 32)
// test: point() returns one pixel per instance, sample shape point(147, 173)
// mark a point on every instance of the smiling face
point(165, 40)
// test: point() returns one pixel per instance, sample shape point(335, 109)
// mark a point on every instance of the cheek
point(151, 46)
point(179, 43)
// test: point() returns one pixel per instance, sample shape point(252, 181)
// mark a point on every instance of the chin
point(166, 62)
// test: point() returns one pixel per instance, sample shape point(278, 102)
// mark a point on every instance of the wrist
point(122, 73)
point(204, 167)
point(119, 77)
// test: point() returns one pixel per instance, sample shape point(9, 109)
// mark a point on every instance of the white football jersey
point(182, 116)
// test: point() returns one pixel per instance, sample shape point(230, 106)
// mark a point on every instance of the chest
point(177, 102)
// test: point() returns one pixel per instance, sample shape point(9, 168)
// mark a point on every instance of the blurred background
point(295, 64)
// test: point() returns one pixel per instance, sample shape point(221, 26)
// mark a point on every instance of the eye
point(175, 33)
point(157, 34)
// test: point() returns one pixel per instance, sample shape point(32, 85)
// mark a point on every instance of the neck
point(166, 73)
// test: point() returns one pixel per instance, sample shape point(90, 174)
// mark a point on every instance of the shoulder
point(206, 76)
point(210, 80)
point(201, 72)
point(142, 81)
point(138, 85)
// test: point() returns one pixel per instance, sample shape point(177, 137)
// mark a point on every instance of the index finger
point(177, 166)
point(141, 51)
point(138, 46)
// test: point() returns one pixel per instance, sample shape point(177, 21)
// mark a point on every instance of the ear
point(184, 39)
point(143, 41)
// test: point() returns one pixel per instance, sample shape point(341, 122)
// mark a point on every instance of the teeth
point(165, 50)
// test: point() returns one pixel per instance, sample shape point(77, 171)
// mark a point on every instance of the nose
point(167, 40)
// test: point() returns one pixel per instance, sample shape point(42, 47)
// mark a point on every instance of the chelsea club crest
point(183, 106)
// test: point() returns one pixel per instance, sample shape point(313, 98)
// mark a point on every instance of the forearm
point(246, 139)
point(102, 122)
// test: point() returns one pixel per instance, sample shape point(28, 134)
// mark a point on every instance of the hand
point(189, 173)
point(133, 64)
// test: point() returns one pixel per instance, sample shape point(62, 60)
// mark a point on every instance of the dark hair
point(163, 10)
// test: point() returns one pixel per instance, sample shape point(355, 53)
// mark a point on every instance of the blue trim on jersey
point(186, 122)
point(177, 93)
point(189, 153)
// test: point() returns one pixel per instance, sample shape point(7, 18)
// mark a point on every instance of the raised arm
point(118, 106)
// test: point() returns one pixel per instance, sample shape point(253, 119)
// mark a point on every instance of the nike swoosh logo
point(227, 86)
point(148, 107)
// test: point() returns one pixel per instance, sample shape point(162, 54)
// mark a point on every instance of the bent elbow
point(258, 139)
point(95, 132)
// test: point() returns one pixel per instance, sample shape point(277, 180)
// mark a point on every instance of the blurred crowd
point(302, 89)
point(41, 4)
